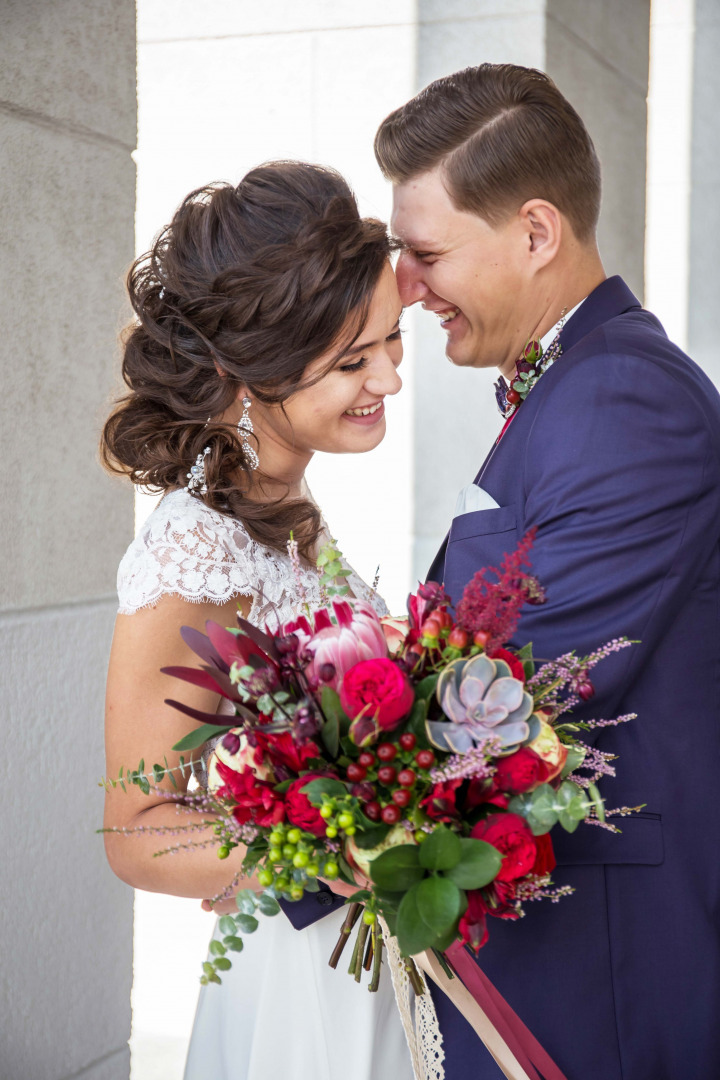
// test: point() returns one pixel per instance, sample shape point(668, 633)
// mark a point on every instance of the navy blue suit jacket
point(615, 458)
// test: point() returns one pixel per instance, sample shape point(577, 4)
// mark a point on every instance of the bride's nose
point(383, 377)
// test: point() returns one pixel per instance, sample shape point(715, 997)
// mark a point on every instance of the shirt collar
point(548, 338)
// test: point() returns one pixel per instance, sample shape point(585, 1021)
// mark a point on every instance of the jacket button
point(324, 898)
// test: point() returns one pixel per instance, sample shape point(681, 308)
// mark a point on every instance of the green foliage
point(337, 723)
point(324, 785)
point(544, 807)
point(370, 834)
point(267, 904)
point(416, 722)
point(330, 565)
point(441, 851)
point(479, 864)
point(398, 868)
point(438, 903)
point(199, 736)
point(247, 923)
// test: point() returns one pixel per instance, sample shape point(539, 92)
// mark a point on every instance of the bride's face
point(343, 412)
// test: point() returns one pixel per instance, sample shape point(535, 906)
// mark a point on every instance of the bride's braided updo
point(247, 285)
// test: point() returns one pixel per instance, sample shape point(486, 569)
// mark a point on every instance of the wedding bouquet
point(422, 757)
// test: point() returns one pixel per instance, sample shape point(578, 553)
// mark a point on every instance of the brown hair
point(254, 281)
point(503, 134)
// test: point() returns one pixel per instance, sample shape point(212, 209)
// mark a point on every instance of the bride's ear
point(542, 224)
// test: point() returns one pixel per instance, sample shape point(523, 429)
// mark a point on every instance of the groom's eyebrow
point(354, 349)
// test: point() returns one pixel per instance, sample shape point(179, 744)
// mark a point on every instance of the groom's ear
point(542, 225)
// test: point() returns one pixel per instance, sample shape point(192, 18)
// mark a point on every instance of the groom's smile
point(477, 278)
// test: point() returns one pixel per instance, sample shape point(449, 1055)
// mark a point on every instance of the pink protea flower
point(335, 646)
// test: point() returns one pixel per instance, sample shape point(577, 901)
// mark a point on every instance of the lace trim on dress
point(422, 1031)
point(186, 549)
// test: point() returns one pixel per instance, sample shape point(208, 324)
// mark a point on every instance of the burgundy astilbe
point(494, 606)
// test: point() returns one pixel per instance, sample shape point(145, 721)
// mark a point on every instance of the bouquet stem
point(351, 918)
point(414, 976)
point(360, 950)
point(369, 951)
point(377, 942)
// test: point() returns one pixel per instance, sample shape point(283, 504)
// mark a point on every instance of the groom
point(613, 457)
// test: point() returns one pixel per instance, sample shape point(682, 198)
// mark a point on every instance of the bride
point(267, 328)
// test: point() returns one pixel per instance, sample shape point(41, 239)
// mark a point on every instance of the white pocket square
point(473, 498)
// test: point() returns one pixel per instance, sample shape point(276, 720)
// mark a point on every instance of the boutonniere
point(532, 363)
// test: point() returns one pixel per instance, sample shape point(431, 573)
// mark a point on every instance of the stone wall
point(67, 129)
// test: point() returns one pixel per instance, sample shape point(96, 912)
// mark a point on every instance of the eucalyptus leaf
point(217, 948)
point(438, 903)
point(247, 923)
point(568, 822)
point(235, 944)
point(268, 905)
point(575, 758)
point(479, 864)
point(441, 850)
point(226, 924)
point(598, 800)
point(245, 901)
point(398, 868)
point(223, 964)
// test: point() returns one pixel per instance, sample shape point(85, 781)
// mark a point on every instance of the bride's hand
point(222, 907)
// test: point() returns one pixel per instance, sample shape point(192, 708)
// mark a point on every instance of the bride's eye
point(396, 334)
point(357, 366)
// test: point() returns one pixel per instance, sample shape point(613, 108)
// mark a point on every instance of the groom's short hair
point(503, 134)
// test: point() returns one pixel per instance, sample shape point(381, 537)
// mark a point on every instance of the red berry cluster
point(380, 769)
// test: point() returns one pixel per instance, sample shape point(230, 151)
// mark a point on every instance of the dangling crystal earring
point(196, 477)
point(245, 428)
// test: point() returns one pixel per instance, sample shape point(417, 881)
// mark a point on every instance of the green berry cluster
point(294, 862)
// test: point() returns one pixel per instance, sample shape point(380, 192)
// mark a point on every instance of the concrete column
point(704, 209)
point(67, 122)
point(597, 53)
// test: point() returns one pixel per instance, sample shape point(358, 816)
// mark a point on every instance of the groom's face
point(474, 277)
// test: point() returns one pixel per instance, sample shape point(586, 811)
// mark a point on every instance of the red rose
point(515, 665)
point(255, 800)
point(440, 803)
point(545, 856)
point(522, 771)
point(510, 834)
point(283, 750)
point(484, 791)
point(300, 811)
point(473, 924)
point(377, 689)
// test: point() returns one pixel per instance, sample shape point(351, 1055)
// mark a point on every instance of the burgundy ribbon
point(518, 1037)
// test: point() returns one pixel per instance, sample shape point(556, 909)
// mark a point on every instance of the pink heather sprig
point(555, 684)
point(475, 764)
point(537, 887)
point(494, 606)
point(591, 724)
point(597, 764)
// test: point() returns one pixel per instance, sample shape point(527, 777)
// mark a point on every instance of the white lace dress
point(281, 1011)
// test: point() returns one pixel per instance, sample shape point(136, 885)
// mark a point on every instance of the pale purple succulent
point(481, 700)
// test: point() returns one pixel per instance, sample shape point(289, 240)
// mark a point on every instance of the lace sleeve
point(188, 550)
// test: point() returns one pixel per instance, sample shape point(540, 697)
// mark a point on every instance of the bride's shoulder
point(187, 549)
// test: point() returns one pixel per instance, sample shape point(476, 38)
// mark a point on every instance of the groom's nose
point(409, 273)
